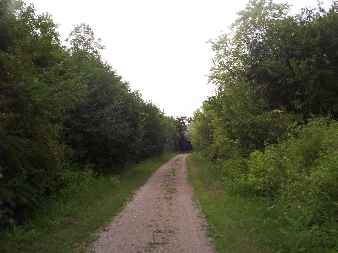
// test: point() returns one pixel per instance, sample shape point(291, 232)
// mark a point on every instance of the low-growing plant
point(301, 174)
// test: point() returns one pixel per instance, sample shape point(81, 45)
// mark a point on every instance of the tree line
point(271, 130)
point(63, 105)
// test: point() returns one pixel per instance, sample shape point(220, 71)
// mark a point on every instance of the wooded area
point(271, 130)
point(61, 106)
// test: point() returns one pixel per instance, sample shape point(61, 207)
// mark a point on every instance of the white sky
point(159, 46)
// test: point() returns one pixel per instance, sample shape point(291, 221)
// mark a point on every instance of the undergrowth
point(243, 222)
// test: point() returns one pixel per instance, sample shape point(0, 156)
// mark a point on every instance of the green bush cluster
point(60, 105)
point(301, 168)
point(300, 175)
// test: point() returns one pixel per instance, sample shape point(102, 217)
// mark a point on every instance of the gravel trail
point(162, 217)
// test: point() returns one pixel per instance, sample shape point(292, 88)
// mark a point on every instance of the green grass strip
point(230, 218)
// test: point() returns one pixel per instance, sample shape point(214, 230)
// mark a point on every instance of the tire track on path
point(160, 218)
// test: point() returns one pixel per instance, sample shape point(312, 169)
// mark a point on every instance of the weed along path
point(161, 217)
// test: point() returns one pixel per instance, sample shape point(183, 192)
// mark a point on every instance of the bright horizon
point(159, 48)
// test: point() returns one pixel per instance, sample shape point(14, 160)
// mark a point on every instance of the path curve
point(162, 217)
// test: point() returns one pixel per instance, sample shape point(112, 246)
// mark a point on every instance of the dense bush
point(297, 161)
point(235, 122)
point(301, 175)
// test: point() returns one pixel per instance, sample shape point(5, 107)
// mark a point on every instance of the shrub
point(301, 175)
point(266, 173)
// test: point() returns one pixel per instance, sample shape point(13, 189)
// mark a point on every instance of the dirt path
point(161, 218)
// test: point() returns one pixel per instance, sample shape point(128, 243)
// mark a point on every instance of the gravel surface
point(162, 217)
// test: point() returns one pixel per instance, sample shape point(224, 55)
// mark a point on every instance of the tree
point(182, 130)
point(33, 94)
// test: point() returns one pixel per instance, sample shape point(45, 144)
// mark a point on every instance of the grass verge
point(69, 221)
point(233, 221)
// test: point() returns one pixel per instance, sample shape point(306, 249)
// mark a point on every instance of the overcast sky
point(158, 46)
